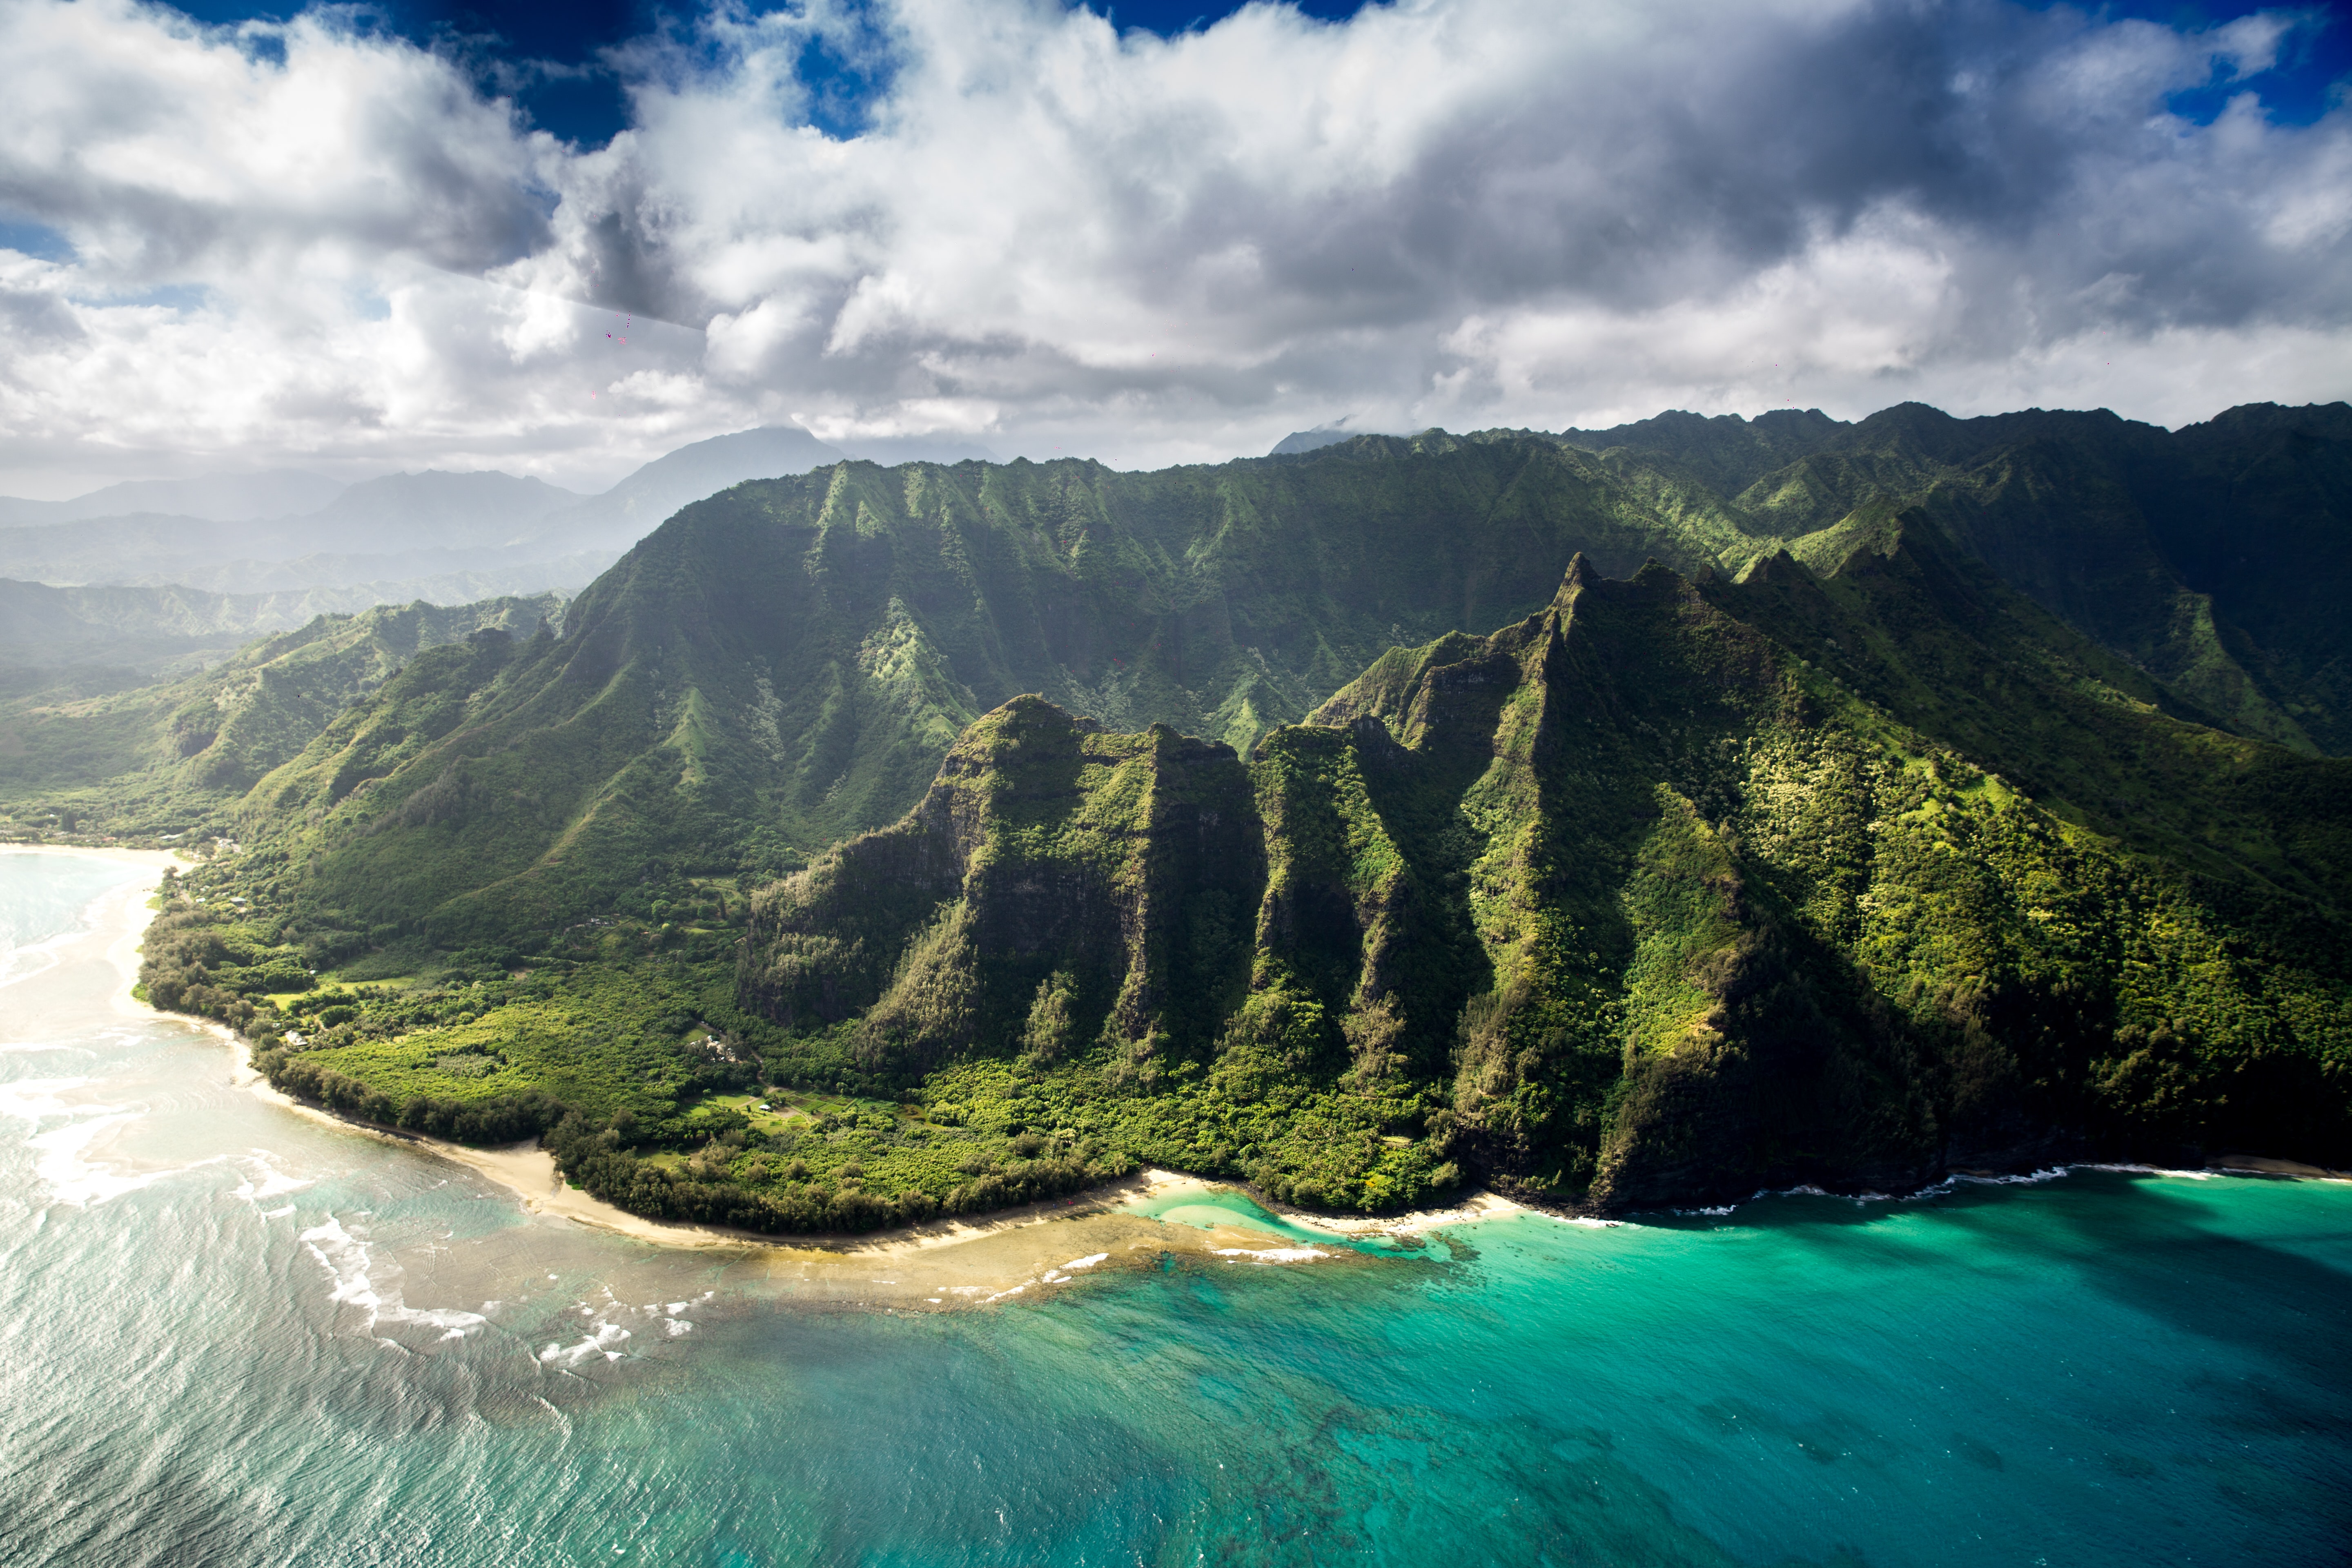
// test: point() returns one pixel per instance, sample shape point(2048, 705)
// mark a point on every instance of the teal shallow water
point(231, 1335)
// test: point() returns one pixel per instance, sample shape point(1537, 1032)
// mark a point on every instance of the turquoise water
point(232, 1335)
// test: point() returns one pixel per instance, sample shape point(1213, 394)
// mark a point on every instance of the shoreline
point(124, 932)
point(528, 1170)
point(2262, 1165)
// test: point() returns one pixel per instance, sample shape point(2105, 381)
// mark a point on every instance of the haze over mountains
point(215, 498)
point(188, 569)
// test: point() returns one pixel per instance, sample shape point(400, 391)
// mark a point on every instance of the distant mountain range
point(165, 631)
point(159, 571)
point(212, 497)
point(288, 545)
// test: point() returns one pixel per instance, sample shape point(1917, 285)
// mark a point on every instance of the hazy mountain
point(355, 581)
point(132, 549)
point(213, 498)
point(637, 505)
point(447, 537)
point(237, 558)
point(633, 508)
point(1312, 440)
point(435, 510)
point(177, 747)
point(172, 626)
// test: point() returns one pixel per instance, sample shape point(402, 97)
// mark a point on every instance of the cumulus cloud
point(302, 242)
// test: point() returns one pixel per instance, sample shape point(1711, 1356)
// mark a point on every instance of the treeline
point(202, 959)
point(505, 1119)
point(593, 1158)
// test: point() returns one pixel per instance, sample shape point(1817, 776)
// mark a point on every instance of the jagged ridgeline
point(785, 664)
point(1628, 903)
point(1944, 789)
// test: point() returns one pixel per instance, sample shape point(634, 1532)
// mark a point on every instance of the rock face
point(1629, 904)
point(1050, 859)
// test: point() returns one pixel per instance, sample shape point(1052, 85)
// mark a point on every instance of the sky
point(561, 239)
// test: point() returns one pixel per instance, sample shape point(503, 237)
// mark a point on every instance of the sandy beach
point(2254, 1164)
point(945, 1263)
point(1000, 1252)
point(123, 914)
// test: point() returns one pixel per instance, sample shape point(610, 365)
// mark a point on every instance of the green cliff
point(1626, 904)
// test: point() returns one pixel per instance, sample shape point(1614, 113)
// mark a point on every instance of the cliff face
point(1104, 878)
point(1638, 1016)
point(1629, 904)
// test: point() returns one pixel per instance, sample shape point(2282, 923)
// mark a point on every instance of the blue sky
point(583, 100)
point(588, 107)
point(410, 232)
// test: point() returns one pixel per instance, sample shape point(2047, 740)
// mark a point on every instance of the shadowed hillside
point(2211, 557)
point(784, 665)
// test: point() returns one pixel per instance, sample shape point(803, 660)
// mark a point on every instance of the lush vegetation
point(105, 753)
point(1884, 823)
point(2214, 557)
point(621, 1044)
point(1625, 905)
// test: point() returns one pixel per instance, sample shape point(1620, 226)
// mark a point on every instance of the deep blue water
point(229, 1334)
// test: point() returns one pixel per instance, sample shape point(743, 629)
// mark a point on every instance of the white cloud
point(301, 244)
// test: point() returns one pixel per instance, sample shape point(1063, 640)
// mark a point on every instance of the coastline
point(2258, 1165)
point(123, 916)
point(991, 1243)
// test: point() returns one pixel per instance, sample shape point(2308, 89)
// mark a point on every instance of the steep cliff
point(1630, 903)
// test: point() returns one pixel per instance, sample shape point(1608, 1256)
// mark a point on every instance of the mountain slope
point(782, 666)
point(639, 503)
point(432, 510)
point(1820, 832)
point(178, 628)
point(2210, 556)
point(143, 758)
point(213, 498)
point(1626, 904)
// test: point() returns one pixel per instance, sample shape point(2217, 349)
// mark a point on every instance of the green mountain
point(2211, 557)
point(784, 665)
point(171, 630)
point(126, 756)
point(1629, 903)
point(1836, 803)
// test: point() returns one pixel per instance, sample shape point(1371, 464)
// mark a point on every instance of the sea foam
point(348, 1260)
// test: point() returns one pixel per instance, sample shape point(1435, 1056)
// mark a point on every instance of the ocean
point(230, 1334)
